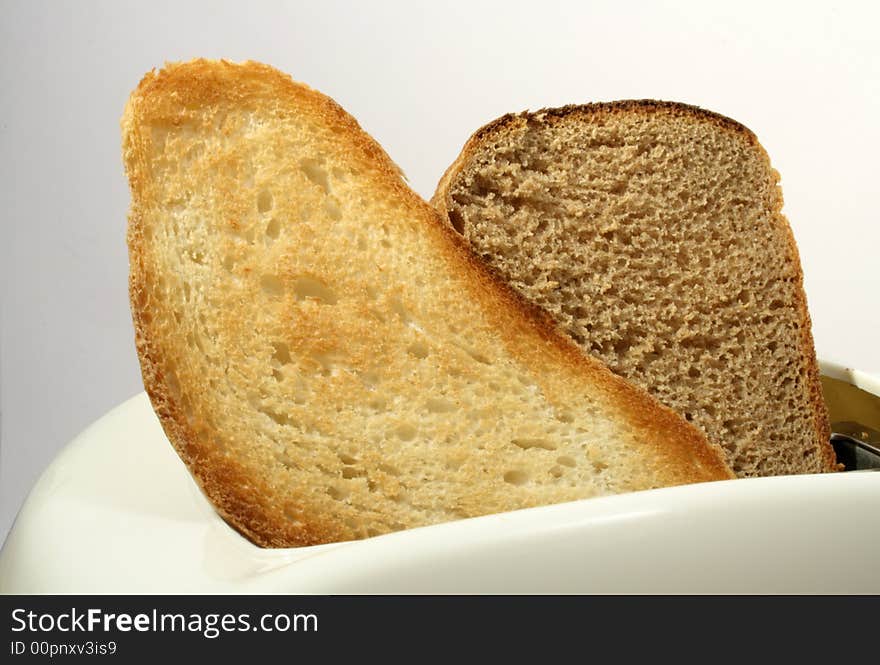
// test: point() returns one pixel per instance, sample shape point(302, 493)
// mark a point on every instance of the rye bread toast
point(652, 233)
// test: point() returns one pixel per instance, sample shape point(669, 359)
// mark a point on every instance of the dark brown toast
point(652, 233)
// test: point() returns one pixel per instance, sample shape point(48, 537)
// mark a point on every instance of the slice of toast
point(652, 233)
point(327, 357)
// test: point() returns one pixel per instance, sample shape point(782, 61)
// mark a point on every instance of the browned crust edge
point(228, 487)
point(441, 201)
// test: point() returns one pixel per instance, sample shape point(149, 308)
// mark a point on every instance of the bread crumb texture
point(324, 352)
point(652, 233)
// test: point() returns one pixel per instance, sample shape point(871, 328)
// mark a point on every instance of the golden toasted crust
point(483, 138)
point(675, 452)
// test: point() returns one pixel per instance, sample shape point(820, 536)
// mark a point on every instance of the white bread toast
point(326, 355)
point(652, 233)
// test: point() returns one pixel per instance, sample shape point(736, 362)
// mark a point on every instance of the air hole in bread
point(309, 287)
point(516, 477)
point(438, 405)
point(730, 425)
point(565, 460)
point(337, 493)
point(479, 357)
point(473, 353)
point(405, 432)
point(349, 472)
point(556, 471)
point(281, 353)
point(272, 285)
point(273, 229)
point(315, 172)
point(565, 417)
point(622, 346)
point(525, 444)
point(418, 350)
point(228, 263)
point(599, 465)
point(347, 459)
point(264, 201)
point(700, 342)
point(280, 418)
point(650, 357)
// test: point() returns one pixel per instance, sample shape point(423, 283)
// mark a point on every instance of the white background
point(420, 77)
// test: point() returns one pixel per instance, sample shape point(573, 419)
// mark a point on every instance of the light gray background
point(420, 78)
